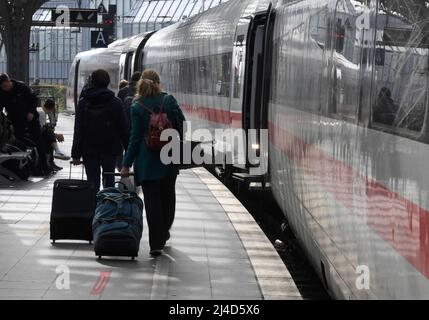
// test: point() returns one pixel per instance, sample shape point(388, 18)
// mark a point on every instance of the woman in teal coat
point(158, 180)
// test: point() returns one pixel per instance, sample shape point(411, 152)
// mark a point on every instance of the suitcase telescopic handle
point(83, 169)
point(116, 174)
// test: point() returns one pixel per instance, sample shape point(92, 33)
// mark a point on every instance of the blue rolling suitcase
point(118, 223)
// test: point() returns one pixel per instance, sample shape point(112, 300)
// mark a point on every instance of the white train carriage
point(342, 87)
point(120, 59)
point(353, 183)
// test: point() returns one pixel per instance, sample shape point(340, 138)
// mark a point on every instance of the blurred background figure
point(385, 110)
point(123, 84)
point(50, 139)
point(35, 86)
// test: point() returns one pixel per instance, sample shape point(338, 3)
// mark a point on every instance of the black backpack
point(99, 124)
point(128, 102)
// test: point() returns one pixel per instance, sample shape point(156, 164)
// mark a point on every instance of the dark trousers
point(93, 165)
point(160, 204)
point(31, 136)
point(48, 139)
point(35, 133)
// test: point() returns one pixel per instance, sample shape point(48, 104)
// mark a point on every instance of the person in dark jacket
point(20, 104)
point(128, 94)
point(21, 107)
point(100, 133)
point(158, 180)
point(131, 88)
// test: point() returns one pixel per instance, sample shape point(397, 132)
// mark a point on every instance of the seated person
point(49, 114)
point(385, 110)
point(50, 139)
point(20, 104)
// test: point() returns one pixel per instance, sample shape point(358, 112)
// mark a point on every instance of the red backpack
point(158, 122)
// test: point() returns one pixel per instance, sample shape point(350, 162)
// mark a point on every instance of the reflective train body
point(342, 88)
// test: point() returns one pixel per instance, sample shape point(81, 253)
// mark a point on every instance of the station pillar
point(17, 16)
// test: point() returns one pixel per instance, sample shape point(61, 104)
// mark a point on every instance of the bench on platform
point(22, 158)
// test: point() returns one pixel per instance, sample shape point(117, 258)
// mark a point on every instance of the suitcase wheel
point(53, 242)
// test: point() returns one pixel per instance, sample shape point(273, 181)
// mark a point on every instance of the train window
point(186, 76)
point(380, 56)
point(401, 76)
point(184, 70)
point(204, 75)
point(318, 27)
point(192, 84)
point(128, 65)
point(172, 75)
point(225, 74)
point(182, 76)
point(347, 46)
point(217, 68)
point(140, 60)
point(340, 33)
point(239, 57)
point(275, 72)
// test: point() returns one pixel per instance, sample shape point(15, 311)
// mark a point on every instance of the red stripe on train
point(224, 117)
point(397, 220)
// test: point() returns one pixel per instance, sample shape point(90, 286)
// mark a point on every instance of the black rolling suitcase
point(73, 208)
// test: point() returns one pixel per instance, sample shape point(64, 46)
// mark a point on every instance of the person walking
point(130, 89)
point(157, 180)
point(100, 132)
point(127, 95)
point(123, 84)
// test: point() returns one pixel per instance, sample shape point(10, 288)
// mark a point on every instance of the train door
point(250, 89)
point(239, 56)
point(126, 64)
point(76, 84)
point(255, 107)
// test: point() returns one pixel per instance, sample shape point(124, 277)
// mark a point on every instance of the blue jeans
point(93, 165)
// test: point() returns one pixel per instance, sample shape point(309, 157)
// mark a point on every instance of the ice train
point(342, 87)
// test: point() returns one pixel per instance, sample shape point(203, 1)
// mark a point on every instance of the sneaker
point(56, 168)
point(155, 253)
point(61, 156)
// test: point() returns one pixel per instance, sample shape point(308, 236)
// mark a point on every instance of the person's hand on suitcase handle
point(125, 172)
point(76, 162)
point(121, 174)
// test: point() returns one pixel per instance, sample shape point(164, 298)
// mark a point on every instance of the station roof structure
point(153, 13)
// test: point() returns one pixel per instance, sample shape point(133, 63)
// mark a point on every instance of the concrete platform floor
point(217, 250)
